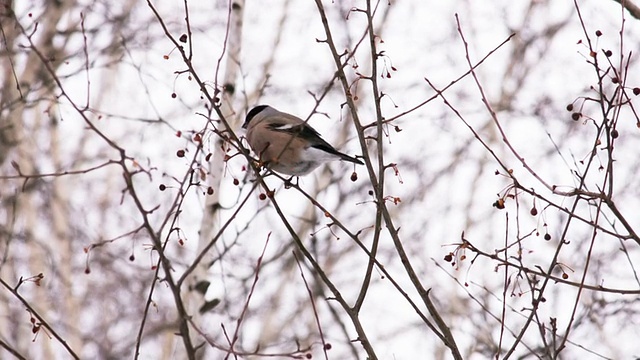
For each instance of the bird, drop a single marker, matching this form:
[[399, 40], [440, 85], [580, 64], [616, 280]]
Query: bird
[[286, 143]]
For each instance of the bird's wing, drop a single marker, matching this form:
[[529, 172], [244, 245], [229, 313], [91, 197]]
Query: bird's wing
[[300, 129], [292, 125]]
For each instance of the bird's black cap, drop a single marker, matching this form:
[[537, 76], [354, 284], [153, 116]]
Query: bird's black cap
[[255, 111]]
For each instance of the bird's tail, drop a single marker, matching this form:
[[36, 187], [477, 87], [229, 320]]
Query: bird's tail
[[348, 158]]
